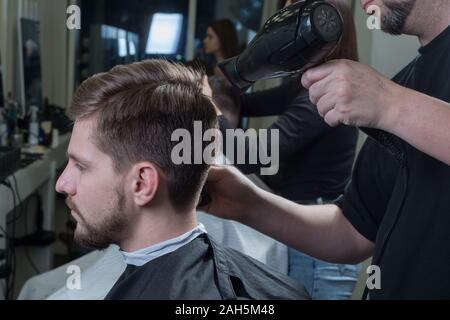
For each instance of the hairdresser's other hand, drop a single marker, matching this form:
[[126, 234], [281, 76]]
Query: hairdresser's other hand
[[350, 93], [233, 195]]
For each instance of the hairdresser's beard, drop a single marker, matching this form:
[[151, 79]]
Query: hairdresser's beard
[[109, 227], [397, 12]]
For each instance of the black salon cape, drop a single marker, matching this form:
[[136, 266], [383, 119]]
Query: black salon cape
[[204, 270]]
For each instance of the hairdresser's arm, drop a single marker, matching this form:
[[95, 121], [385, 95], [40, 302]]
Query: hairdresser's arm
[[320, 231], [423, 122], [354, 94]]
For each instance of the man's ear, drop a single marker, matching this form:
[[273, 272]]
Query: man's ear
[[145, 183]]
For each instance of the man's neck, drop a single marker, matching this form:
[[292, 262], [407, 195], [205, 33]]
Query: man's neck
[[158, 226]]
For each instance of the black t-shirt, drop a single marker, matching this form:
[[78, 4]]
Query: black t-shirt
[[403, 204]]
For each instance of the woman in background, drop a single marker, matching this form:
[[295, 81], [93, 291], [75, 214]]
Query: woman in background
[[221, 42]]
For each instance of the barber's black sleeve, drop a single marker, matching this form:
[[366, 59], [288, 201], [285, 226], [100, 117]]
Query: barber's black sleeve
[[299, 126], [367, 196]]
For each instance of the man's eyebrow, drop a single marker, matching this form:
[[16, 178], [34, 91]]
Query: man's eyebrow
[[76, 158]]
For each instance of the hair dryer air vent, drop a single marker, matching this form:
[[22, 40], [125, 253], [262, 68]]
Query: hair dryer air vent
[[327, 21]]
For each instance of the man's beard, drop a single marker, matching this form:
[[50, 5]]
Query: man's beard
[[394, 19], [104, 233]]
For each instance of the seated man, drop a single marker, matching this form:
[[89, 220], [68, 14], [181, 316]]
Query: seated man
[[123, 188]]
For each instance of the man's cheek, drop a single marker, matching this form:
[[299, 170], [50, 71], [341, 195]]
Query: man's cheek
[[96, 187]]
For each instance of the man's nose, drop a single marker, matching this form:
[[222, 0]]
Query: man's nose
[[65, 183]]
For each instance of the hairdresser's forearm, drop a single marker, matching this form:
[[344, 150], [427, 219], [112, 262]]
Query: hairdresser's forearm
[[320, 231], [423, 122]]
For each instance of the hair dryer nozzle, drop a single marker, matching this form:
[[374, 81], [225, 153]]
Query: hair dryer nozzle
[[230, 70]]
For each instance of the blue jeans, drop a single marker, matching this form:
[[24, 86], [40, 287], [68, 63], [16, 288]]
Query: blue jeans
[[322, 280]]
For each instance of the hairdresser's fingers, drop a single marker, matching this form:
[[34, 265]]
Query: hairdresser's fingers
[[326, 104], [318, 73], [321, 88], [333, 118]]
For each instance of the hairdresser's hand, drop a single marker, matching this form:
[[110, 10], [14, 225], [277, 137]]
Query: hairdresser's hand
[[233, 196], [350, 93]]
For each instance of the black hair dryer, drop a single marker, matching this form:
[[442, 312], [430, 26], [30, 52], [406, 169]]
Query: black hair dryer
[[293, 40], [296, 38]]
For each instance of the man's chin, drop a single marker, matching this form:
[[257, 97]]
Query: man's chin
[[87, 241]]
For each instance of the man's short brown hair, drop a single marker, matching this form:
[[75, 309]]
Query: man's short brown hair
[[137, 107]]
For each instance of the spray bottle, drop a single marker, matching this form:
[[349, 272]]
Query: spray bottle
[[3, 130], [33, 136]]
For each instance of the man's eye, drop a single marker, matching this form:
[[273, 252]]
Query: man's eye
[[79, 167]]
